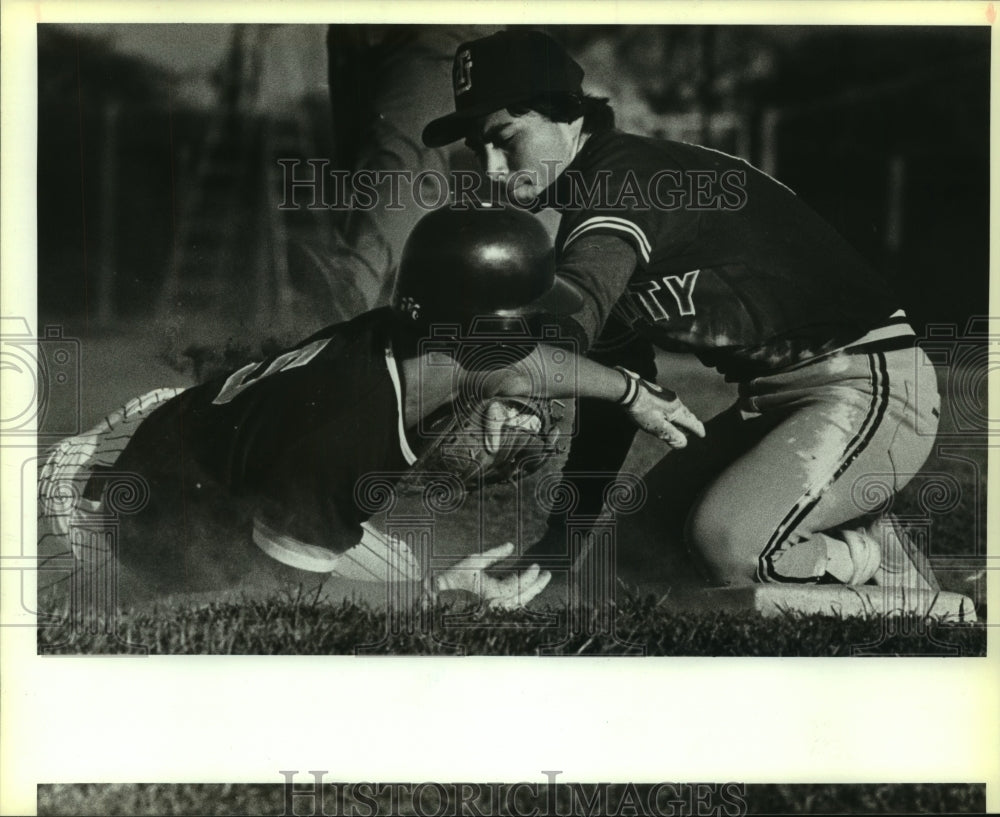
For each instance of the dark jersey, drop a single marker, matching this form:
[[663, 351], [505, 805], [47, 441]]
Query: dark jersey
[[730, 264], [292, 436]]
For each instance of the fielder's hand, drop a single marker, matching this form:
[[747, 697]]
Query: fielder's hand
[[508, 593], [659, 411]]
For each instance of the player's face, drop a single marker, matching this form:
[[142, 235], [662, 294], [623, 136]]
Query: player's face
[[525, 153]]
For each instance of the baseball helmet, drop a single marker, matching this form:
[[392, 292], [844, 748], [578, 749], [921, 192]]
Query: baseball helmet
[[494, 263]]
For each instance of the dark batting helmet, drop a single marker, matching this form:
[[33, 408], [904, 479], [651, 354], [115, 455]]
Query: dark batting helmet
[[494, 263]]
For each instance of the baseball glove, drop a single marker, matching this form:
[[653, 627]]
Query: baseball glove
[[497, 440]]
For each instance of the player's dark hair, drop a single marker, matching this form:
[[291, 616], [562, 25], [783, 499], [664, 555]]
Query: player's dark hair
[[597, 114]]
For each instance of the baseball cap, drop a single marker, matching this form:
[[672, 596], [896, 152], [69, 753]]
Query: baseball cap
[[500, 70]]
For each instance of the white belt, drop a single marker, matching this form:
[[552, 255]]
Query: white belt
[[876, 335]]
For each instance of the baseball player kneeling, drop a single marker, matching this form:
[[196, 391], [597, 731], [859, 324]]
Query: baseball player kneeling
[[683, 248], [255, 479]]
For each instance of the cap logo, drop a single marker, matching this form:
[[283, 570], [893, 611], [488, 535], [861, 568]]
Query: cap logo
[[462, 72]]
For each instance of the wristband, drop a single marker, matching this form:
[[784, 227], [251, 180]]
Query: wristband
[[632, 387]]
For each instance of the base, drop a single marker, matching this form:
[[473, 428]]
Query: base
[[774, 600]]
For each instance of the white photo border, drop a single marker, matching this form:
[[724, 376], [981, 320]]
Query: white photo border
[[242, 719]]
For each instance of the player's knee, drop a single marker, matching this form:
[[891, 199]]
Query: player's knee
[[721, 546]]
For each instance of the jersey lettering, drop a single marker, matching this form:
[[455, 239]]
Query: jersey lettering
[[681, 287], [625, 310], [243, 378], [651, 303], [683, 290]]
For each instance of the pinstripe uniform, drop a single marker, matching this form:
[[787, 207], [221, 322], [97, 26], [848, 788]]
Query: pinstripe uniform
[[731, 266], [269, 456]]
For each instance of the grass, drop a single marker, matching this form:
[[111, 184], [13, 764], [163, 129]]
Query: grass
[[269, 799], [947, 499], [641, 625]]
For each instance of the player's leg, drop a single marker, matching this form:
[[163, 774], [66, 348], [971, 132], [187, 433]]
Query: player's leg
[[250, 575], [72, 519], [778, 513], [68, 467], [195, 541], [901, 561], [651, 545]]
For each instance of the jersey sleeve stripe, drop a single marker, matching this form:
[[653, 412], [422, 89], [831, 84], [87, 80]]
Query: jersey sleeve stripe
[[611, 223]]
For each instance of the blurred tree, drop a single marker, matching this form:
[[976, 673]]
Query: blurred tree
[[84, 66], [82, 83], [82, 80], [885, 131]]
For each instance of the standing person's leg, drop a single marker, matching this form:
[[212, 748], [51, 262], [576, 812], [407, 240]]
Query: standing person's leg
[[602, 439], [780, 511], [386, 83]]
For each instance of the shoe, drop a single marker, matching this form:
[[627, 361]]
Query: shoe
[[866, 554], [903, 563]]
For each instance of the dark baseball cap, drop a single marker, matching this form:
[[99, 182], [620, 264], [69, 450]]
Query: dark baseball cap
[[500, 70]]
